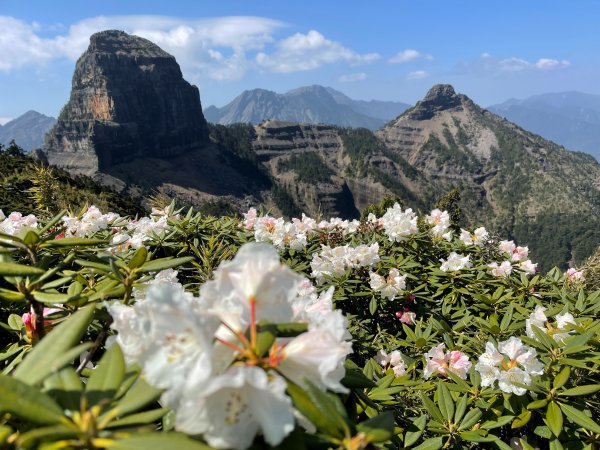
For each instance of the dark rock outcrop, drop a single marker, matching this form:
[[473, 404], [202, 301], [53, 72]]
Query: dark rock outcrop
[[439, 98], [128, 100]]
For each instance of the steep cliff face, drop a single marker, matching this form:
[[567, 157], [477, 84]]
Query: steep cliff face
[[308, 161], [128, 100]]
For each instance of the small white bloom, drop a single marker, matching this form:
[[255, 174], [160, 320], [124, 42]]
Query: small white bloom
[[502, 270], [455, 262]]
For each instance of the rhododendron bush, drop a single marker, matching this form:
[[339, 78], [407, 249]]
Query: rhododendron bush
[[185, 331]]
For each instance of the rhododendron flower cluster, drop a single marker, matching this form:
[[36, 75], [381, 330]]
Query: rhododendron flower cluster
[[555, 330], [393, 360], [388, 286], [439, 360], [440, 221], [455, 262], [516, 253], [333, 262], [15, 222], [479, 237], [136, 232], [512, 362], [503, 269], [91, 222], [574, 275], [215, 379], [398, 224]]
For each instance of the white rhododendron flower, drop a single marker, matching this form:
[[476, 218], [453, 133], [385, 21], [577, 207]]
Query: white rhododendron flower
[[511, 362], [555, 330], [15, 222], [90, 222], [501, 270], [455, 262], [440, 221], [515, 253], [528, 267], [214, 376], [388, 286], [438, 360], [249, 219], [398, 224], [574, 275], [231, 408], [393, 360], [479, 237], [333, 262]]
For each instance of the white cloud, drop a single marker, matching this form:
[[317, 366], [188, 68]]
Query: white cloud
[[352, 77], [417, 75], [4, 120], [208, 48], [310, 51], [549, 64], [513, 64], [408, 55]]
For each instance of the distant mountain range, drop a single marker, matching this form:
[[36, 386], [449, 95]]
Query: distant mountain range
[[571, 119], [309, 104], [27, 130]]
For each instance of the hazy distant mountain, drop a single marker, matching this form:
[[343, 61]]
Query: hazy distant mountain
[[571, 119], [309, 104], [27, 130]]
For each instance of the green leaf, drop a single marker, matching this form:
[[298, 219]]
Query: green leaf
[[139, 419], [18, 270], [140, 395], [431, 444], [445, 401], [522, 419], [476, 436], [5, 432], [138, 258], [50, 354], [415, 430], [554, 418], [432, 408], [355, 379], [73, 242], [28, 403], [54, 297], [292, 329], [373, 305], [316, 407], [379, 428], [461, 407], [56, 432], [580, 390], [537, 404], [66, 387], [562, 377], [164, 263], [158, 441], [580, 418], [471, 418], [107, 377]]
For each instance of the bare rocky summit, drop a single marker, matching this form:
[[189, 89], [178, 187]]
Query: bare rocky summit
[[128, 100]]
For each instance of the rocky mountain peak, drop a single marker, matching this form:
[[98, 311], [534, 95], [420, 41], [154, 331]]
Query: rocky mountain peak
[[119, 42], [440, 97], [128, 100]]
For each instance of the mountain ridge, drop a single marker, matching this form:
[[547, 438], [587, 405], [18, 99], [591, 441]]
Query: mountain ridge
[[306, 104]]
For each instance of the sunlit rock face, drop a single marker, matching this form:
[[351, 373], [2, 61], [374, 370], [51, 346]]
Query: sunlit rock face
[[128, 100]]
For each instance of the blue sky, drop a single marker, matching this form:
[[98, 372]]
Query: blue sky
[[378, 49]]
